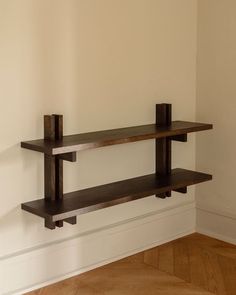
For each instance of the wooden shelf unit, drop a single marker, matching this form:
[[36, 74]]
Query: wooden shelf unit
[[57, 207]]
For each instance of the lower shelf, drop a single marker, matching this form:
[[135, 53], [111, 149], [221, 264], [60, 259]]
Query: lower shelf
[[107, 195]]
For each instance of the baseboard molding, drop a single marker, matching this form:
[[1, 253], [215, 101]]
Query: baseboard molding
[[216, 224], [38, 267]]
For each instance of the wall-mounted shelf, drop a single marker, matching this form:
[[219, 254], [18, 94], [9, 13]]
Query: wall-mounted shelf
[[78, 142], [108, 195], [57, 207]]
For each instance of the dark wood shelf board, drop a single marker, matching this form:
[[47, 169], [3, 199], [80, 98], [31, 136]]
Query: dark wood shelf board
[[103, 196], [83, 141]]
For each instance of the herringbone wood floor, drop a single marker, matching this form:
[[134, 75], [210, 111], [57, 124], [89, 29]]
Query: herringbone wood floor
[[193, 265]]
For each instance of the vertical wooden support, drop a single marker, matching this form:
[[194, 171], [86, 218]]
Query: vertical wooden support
[[53, 166], [59, 162], [163, 145]]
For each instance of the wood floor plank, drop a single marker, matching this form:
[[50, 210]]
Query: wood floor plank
[[197, 266], [228, 268], [202, 267], [151, 257], [143, 279], [181, 261], [193, 265], [213, 273], [166, 258]]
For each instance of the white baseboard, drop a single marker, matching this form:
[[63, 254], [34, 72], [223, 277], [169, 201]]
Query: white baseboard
[[216, 224], [38, 267]]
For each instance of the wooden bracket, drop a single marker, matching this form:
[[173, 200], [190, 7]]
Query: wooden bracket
[[182, 190], [71, 220], [181, 138], [49, 224], [70, 157], [53, 166]]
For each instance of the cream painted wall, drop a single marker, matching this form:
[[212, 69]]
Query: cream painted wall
[[102, 64], [216, 103]]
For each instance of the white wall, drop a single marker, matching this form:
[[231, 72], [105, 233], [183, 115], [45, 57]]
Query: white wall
[[102, 64], [216, 103]]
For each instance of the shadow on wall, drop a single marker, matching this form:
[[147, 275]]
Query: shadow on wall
[[15, 163]]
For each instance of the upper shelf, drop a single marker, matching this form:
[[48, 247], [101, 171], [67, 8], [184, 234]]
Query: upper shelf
[[83, 141]]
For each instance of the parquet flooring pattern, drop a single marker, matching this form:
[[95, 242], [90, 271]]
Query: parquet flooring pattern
[[193, 265]]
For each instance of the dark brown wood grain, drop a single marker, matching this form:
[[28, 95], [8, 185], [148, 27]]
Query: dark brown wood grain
[[103, 196], [163, 145], [78, 142], [53, 166]]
